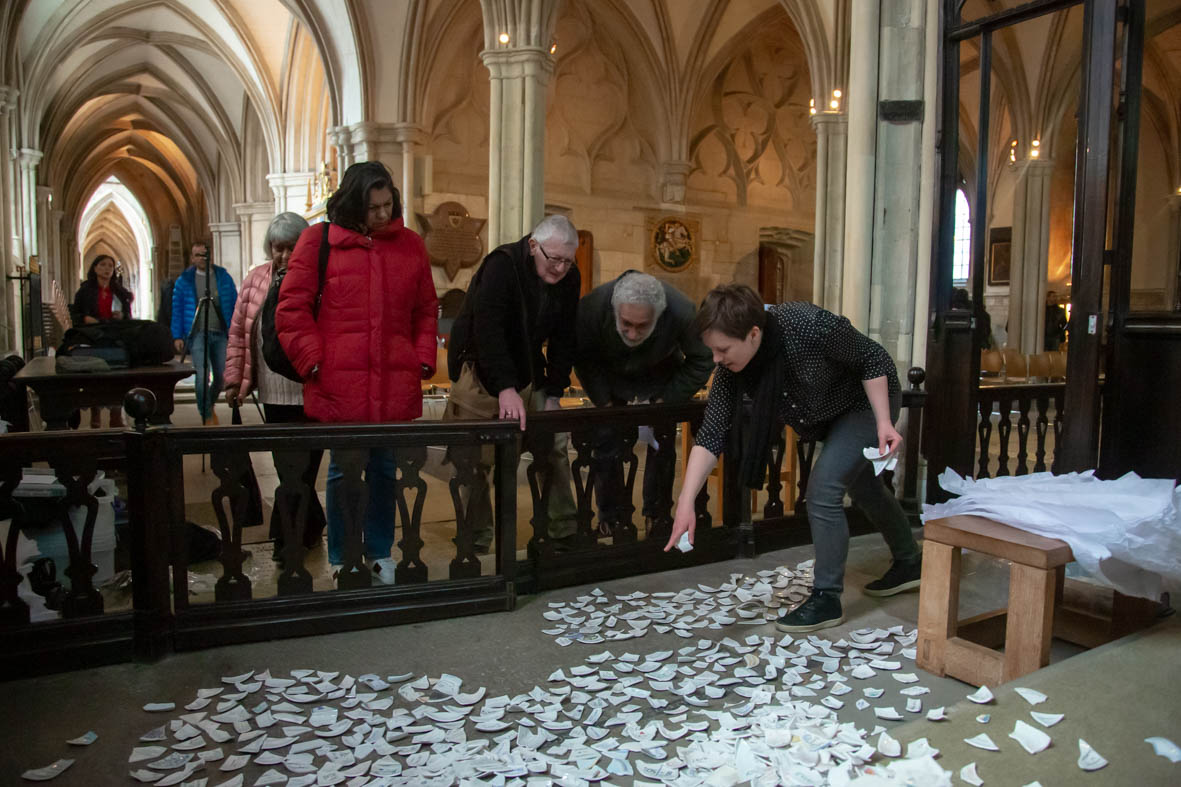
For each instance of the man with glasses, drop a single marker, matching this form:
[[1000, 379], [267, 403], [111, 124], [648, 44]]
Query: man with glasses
[[512, 348]]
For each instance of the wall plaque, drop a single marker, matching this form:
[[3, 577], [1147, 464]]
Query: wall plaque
[[452, 237], [673, 242]]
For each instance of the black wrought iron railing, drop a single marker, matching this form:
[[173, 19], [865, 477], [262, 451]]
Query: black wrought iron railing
[[444, 472]]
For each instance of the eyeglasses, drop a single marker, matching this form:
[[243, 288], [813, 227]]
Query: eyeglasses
[[561, 262]]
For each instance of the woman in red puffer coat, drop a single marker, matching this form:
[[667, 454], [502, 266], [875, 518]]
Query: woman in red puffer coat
[[363, 358]]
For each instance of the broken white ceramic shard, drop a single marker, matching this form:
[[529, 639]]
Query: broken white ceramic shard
[[984, 718], [887, 713], [936, 714], [1047, 719], [84, 740], [159, 707], [861, 704], [1088, 758], [905, 677], [914, 705], [920, 748], [1031, 696], [48, 772], [982, 696], [146, 753], [1165, 748], [873, 693], [1031, 739], [888, 745], [683, 543], [968, 775], [982, 741]]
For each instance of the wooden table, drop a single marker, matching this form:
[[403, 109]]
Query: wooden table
[[61, 393]]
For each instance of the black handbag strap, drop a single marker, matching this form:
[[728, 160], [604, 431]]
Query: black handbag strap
[[325, 249]]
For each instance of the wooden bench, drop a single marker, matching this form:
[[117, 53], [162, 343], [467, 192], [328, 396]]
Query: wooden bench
[[965, 649]]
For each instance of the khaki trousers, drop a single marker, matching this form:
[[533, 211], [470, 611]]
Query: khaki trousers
[[468, 400]]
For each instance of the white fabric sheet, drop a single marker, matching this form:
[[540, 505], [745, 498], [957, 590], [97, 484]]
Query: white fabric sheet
[[1125, 533]]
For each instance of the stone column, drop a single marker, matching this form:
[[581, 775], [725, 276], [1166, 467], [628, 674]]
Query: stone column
[[516, 165], [1030, 255], [227, 248], [28, 159], [253, 220], [861, 101], [673, 181], [1173, 265], [8, 330], [884, 180], [409, 137], [828, 257], [292, 190]]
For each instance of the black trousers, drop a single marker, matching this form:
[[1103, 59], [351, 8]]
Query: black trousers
[[313, 527]]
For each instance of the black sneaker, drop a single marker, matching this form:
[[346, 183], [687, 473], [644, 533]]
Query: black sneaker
[[902, 576], [822, 610]]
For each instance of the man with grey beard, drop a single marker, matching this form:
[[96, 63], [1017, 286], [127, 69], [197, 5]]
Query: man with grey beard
[[636, 345]]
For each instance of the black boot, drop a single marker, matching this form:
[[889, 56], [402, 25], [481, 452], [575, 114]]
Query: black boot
[[902, 576], [822, 610]]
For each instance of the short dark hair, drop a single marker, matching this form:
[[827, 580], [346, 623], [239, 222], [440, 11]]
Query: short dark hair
[[731, 309], [348, 206]]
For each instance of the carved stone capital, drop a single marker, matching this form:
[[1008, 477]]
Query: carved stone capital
[[519, 63], [830, 123], [673, 180]]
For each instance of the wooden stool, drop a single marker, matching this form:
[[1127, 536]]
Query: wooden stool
[[945, 644], [964, 649]]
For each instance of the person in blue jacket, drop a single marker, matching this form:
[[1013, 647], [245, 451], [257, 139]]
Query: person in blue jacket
[[189, 324]]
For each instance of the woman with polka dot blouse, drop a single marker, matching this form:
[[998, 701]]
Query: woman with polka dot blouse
[[812, 370]]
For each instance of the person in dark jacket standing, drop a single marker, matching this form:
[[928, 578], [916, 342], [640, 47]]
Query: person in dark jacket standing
[[636, 343], [524, 296], [810, 369], [101, 298]]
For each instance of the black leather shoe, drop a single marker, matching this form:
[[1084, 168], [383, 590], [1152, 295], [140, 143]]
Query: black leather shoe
[[901, 577], [822, 610]]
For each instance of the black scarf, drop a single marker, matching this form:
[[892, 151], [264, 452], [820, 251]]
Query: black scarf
[[761, 379]]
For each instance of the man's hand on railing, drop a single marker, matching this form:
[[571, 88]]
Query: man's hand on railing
[[512, 407]]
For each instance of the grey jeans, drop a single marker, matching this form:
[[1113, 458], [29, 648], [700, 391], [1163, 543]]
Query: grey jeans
[[841, 467]]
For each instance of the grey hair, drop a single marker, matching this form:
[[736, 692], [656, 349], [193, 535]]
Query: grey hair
[[556, 226], [642, 289], [284, 228]]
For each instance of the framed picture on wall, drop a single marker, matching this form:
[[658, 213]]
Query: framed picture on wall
[[672, 242], [1000, 248]]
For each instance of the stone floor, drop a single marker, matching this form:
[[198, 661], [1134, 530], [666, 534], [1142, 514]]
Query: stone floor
[[507, 653]]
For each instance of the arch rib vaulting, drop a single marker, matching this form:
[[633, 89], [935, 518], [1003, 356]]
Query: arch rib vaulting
[[135, 127]]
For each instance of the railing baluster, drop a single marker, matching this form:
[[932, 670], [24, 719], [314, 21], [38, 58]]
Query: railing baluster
[[82, 598], [584, 473], [293, 502], [984, 428], [232, 468], [660, 467], [1059, 401], [1023, 405], [13, 609], [469, 495], [1003, 428], [1041, 427], [774, 505], [540, 475], [411, 568]]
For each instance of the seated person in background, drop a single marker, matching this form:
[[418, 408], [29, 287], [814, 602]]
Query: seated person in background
[[101, 298], [523, 297], [812, 370], [636, 343]]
